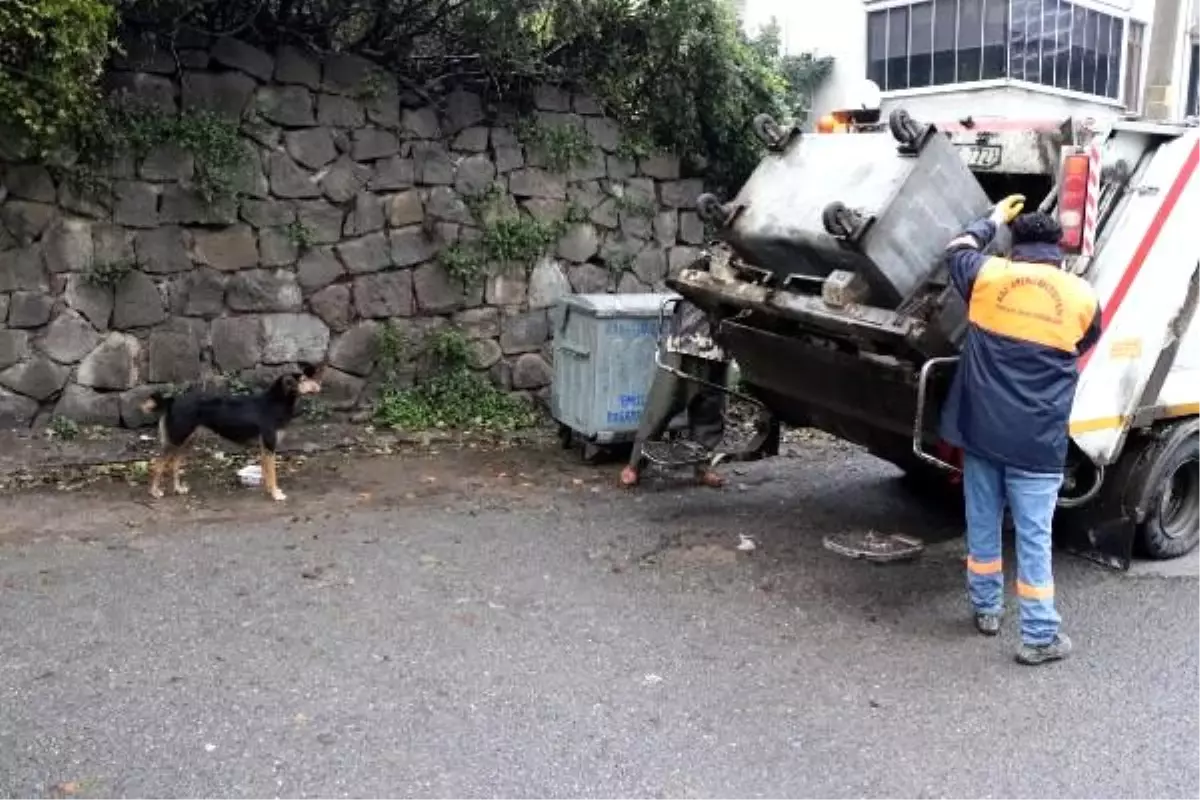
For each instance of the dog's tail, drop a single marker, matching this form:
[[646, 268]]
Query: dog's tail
[[157, 403]]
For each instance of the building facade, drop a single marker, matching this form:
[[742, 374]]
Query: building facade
[[1017, 59]]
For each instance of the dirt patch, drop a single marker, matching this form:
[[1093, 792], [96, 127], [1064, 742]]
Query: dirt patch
[[81, 501]]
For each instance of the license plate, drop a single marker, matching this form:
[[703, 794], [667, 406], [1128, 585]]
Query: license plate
[[981, 156]]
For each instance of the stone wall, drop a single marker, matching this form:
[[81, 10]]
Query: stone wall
[[378, 181]]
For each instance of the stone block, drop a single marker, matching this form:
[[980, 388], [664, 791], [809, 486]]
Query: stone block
[[355, 350], [26, 220], [226, 94], [93, 301], [339, 111], [289, 106], [161, 251], [89, 407], [444, 205], [227, 249], [230, 52], [604, 133], [291, 338], [547, 284], [509, 159], [475, 175], [16, 411], [288, 180], [434, 165], [311, 147], [530, 371], [534, 182], [589, 278], [277, 247], [579, 243], [436, 292], [384, 294], [411, 245], [681, 194], [68, 246], [369, 253], [174, 357], [471, 140], [14, 346], [263, 290], [660, 166], [29, 309], [137, 303], [167, 162], [506, 288], [294, 66], [393, 173], [366, 215], [666, 227], [113, 364], [421, 123], [523, 331], [24, 270], [236, 343], [478, 323], [318, 268], [69, 338], [333, 305], [345, 73], [30, 182], [371, 144], [345, 179], [203, 293], [691, 228], [551, 98], [268, 213], [39, 378], [182, 205], [483, 353]]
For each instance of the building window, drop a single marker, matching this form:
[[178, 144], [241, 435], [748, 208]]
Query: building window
[[1052, 42], [1133, 66], [1193, 100]]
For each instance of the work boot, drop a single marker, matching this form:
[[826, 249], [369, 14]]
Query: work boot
[[987, 623], [1033, 654]]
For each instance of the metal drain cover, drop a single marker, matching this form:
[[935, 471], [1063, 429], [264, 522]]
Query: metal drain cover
[[872, 546]]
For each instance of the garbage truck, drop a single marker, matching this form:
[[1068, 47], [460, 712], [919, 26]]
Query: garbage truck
[[840, 314]]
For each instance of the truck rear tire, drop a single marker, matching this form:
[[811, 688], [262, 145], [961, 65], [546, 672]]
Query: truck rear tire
[[1172, 524]]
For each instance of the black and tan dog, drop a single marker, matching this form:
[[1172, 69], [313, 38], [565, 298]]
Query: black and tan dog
[[256, 419]]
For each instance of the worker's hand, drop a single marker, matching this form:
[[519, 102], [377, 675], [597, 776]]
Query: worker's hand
[[1008, 209]]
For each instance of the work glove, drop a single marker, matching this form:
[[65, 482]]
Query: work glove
[[1007, 209]]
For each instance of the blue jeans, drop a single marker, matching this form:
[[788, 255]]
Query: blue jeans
[[1031, 496]]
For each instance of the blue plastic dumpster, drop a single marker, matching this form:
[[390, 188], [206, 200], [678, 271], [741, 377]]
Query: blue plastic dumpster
[[603, 364]]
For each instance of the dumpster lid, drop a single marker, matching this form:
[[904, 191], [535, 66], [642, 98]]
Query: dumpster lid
[[645, 304]]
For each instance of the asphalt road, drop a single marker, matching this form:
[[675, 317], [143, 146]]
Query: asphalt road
[[543, 634]]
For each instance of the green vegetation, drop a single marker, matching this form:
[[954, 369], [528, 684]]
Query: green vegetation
[[507, 236], [450, 396], [63, 429], [678, 75], [562, 146], [108, 274], [300, 235], [51, 56]]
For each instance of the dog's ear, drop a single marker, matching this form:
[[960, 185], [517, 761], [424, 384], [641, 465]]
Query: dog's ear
[[289, 385]]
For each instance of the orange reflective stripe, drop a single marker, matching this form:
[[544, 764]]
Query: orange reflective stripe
[[1030, 592], [984, 567], [1034, 303]]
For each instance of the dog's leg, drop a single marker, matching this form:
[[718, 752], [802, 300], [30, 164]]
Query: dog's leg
[[270, 479], [156, 470], [176, 475]]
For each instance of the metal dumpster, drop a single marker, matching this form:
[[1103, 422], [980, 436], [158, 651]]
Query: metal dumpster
[[865, 203], [604, 348]]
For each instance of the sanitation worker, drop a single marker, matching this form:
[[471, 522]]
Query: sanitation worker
[[1008, 410]]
